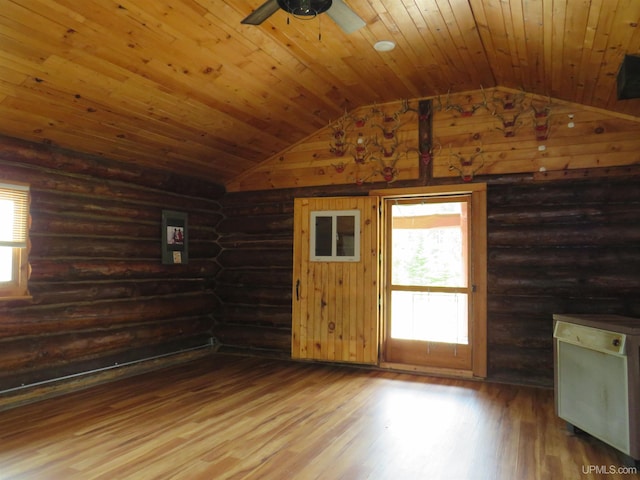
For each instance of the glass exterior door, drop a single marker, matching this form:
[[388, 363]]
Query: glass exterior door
[[428, 276]]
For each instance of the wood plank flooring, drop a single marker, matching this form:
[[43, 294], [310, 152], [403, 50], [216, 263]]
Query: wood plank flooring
[[232, 417]]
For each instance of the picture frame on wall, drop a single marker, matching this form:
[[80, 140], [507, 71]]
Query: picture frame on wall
[[175, 238]]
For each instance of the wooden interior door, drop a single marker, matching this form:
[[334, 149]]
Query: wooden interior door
[[335, 292]]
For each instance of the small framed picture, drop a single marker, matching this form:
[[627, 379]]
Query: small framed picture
[[175, 236]]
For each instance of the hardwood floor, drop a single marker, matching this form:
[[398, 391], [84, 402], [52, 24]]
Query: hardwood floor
[[231, 417]]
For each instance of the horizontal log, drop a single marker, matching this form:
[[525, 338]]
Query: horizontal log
[[255, 315], [535, 361], [268, 241], [52, 246], [551, 214], [563, 282], [202, 250], [62, 224], [26, 354], [54, 158], [47, 319], [44, 293], [104, 269], [257, 337], [256, 224], [47, 201], [53, 201], [60, 181], [524, 306], [521, 332], [563, 193], [256, 296], [580, 257], [251, 257], [559, 235], [48, 246], [256, 277]]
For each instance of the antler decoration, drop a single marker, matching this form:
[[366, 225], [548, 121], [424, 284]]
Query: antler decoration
[[339, 167], [406, 107], [383, 148], [541, 120], [466, 167], [338, 146], [389, 171], [509, 102], [469, 112], [509, 126], [359, 122], [389, 133], [508, 108]]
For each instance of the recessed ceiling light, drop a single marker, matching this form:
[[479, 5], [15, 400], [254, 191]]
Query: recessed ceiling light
[[384, 46]]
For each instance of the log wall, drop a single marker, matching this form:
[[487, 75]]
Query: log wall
[[100, 295], [557, 247], [570, 246]]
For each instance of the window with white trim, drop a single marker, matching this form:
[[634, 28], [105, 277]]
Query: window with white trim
[[335, 236], [14, 235]]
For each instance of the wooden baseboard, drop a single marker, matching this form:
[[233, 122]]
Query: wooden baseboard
[[30, 394]]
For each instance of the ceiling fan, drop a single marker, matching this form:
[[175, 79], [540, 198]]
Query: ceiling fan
[[339, 12]]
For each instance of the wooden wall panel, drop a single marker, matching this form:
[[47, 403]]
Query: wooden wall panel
[[100, 295], [500, 131]]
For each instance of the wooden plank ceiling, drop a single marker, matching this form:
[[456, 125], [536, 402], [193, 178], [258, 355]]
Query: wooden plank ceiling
[[183, 85]]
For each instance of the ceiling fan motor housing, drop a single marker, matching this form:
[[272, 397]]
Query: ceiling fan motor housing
[[305, 8]]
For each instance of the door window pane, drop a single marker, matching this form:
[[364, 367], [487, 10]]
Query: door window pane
[[429, 316], [429, 244], [323, 236]]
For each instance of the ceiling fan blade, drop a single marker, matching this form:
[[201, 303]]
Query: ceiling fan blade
[[346, 18], [261, 13]]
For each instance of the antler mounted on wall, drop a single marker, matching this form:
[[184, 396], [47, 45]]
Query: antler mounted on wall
[[338, 145], [507, 108], [509, 123], [466, 166], [387, 150], [509, 101], [388, 170], [376, 140], [541, 120], [468, 112]]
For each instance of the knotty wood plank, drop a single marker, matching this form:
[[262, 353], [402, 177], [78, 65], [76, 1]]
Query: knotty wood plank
[[232, 417]]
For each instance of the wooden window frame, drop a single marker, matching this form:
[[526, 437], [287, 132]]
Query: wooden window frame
[[17, 287]]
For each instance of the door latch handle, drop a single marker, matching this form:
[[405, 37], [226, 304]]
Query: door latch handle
[[298, 290]]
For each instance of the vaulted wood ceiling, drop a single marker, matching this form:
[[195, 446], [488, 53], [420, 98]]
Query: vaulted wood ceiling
[[183, 85]]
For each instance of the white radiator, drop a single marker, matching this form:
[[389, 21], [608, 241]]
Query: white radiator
[[597, 384]]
